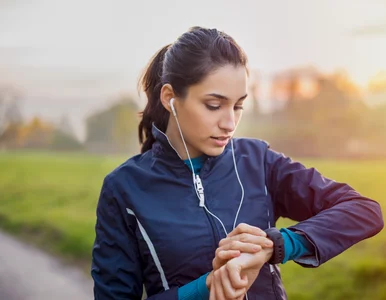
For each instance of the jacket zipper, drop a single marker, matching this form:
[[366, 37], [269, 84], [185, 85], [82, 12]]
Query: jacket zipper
[[273, 285], [215, 240], [215, 232]]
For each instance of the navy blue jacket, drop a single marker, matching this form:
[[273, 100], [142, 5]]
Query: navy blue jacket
[[151, 231]]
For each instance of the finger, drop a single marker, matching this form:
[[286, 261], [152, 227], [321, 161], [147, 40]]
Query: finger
[[219, 288], [241, 247], [228, 254], [234, 272], [212, 294], [223, 256], [230, 242], [229, 291], [244, 277], [245, 228], [245, 238]]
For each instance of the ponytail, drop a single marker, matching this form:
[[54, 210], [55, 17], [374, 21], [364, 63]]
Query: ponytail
[[151, 83]]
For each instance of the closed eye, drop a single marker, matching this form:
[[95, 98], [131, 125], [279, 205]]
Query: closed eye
[[212, 107]]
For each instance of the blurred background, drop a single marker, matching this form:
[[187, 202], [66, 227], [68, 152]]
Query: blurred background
[[69, 110]]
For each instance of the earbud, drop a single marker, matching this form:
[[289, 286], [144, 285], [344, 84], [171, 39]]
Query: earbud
[[172, 107]]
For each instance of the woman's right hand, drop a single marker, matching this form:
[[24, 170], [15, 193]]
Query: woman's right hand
[[243, 239]]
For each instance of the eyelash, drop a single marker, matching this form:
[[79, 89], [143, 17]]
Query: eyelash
[[213, 108], [210, 107]]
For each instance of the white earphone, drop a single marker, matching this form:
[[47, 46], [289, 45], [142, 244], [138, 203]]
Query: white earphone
[[172, 107]]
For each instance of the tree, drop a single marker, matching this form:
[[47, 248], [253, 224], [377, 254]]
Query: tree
[[64, 138], [113, 129], [377, 84], [64, 142], [10, 111], [325, 124], [37, 134], [65, 126]]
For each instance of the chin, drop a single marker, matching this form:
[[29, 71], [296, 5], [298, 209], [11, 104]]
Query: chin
[[214, 151]]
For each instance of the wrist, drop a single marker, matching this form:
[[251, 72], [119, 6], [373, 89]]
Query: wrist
[[209, 280], [268, 253]]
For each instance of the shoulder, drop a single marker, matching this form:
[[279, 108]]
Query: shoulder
[[129, 169], [261, 152], [251, 146]]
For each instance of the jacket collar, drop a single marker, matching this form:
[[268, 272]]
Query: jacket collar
[[162, 145], [162, 148]]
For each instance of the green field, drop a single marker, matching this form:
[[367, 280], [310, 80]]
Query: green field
[[50, 199]]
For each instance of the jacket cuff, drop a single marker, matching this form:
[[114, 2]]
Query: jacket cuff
[[194, 290]]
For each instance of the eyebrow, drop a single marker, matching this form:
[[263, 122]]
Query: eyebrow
[[222, 97]]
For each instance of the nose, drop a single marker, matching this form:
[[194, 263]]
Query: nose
[[228, 121]]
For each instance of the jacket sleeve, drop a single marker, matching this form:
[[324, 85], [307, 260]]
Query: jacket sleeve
[[332, 215], [116, 264]]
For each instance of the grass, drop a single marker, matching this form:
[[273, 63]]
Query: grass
[[50, 199]]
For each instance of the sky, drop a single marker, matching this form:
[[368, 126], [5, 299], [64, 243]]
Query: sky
[[74, 56]]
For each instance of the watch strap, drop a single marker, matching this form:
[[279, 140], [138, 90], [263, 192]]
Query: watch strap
[[278, 245]]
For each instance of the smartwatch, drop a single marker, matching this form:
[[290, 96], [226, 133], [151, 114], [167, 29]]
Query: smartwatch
[[278, 245]]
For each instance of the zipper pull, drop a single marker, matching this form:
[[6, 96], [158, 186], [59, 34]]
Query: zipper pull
[[200, 190], [272, 269]]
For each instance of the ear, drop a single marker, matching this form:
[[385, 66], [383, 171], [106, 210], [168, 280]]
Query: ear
[[165, 95]]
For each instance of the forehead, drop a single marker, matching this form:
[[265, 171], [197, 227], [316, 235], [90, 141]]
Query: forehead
[[229, 81]]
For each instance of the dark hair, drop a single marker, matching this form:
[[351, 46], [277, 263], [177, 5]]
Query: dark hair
[[186, 62]]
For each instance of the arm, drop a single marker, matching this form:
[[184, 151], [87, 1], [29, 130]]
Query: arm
[[332, 215], [295, 245], [116, 267]]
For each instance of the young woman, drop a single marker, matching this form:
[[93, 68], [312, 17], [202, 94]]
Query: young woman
[[193, 216]]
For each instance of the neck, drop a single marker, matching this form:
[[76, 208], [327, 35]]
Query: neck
[[175, 139]]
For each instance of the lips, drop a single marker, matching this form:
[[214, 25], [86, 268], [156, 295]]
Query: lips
[[220, 141], [221, 138]]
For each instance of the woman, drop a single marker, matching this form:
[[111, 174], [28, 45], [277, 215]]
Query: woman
[[193, 216]]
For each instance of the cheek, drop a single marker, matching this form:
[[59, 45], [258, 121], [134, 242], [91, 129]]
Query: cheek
[[203, 119], [208, 123], [197, 124], [238, 117]]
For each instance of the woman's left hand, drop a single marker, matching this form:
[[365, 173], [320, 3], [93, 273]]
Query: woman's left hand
[[222, 289]]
